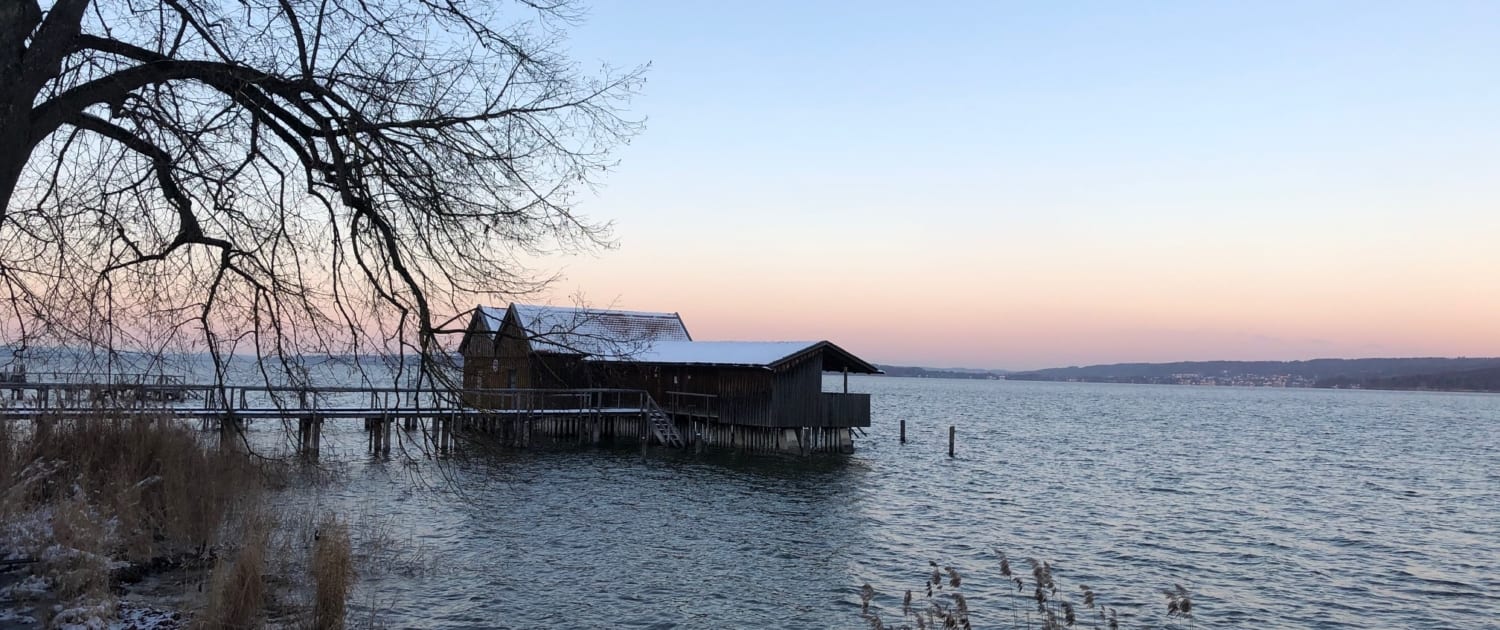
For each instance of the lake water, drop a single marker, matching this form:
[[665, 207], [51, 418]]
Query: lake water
[[1275, 508]]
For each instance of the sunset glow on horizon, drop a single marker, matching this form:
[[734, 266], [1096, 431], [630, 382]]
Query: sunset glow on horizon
[[1006, 187]]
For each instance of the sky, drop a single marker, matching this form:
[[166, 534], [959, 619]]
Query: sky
[[1027, 185]]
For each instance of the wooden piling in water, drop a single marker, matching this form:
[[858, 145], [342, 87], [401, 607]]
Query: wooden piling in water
[[304, 435], [230, 428], [903, 431], [951, 432], [317, 436]]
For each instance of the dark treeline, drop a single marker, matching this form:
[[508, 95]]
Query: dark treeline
[[1388, 373], [921, 372], [1480, 380]]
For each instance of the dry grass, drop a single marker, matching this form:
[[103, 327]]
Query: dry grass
[[237, 590], [332, 572], [166, 492], [91, 498]]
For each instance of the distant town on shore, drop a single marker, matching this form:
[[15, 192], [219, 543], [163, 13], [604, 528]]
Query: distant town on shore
[[1422, 373]]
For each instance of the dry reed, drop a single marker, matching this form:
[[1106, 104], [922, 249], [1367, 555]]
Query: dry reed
[[332, 572], [947, 606], [237, 590], [97, 501]]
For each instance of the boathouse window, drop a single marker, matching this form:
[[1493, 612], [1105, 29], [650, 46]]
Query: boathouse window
[[510, 378], [495, 365]]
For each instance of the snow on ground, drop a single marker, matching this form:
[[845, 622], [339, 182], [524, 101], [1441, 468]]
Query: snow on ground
[[19, 593], [31, 536], [17, 617], [134, 616], [24, 594]]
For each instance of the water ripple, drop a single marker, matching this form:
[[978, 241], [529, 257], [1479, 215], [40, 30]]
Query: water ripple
[[1278, 508]]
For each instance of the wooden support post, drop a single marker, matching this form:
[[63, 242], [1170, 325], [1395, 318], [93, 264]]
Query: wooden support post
[[951, 432], [317, 436], [304, 435], [903, 431], [229, 430], [385, 440], [846, 380]]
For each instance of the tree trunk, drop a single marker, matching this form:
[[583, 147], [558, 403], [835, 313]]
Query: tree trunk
[[18, 18]]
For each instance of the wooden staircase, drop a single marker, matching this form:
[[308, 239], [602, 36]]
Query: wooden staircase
[[662, 425]]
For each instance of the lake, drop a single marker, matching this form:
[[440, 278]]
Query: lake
[[1289, 508]]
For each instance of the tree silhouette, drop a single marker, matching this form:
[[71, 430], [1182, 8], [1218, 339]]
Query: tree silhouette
[[277, 177]]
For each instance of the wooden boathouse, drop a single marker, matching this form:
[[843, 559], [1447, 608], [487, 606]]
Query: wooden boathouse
[[747, 395]]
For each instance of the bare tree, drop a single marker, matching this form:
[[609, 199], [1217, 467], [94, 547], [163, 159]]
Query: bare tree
[[281, 177]]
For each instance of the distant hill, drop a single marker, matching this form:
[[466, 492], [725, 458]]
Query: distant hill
[[1391, 373], [1480, 380], [922, 372]]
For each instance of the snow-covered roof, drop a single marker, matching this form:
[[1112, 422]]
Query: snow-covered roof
[[650, 338], [491, 317], [760, 354], [597, 332], [746, 353]]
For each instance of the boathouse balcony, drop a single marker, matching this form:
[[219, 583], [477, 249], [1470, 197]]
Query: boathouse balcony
[[845, 410]]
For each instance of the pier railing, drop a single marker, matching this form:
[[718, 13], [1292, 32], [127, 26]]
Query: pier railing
[[691, 404], [93, 378], [200, 399]]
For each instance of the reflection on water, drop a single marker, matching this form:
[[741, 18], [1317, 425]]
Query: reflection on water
[[1279, 508]]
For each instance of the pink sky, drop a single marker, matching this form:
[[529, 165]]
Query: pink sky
[[1057, 297]]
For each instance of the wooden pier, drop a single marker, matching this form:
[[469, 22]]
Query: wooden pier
[[513, 417]]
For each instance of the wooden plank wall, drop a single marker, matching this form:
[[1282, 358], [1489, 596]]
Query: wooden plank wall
[[796, 400], [744, 394]]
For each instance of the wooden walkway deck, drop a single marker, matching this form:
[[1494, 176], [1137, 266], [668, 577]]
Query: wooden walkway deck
[[513, 414]]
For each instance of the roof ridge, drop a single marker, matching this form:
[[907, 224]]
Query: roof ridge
[[596, 310]]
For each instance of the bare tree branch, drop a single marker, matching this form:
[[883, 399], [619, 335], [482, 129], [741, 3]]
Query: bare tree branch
[[288, 177]]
